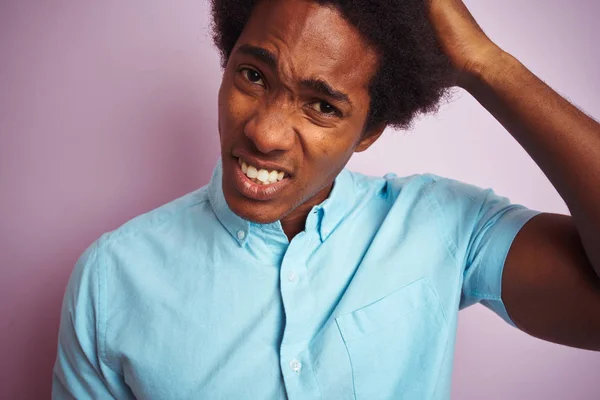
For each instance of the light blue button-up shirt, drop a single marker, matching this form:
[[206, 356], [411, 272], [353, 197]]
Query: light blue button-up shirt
[[190, 301]]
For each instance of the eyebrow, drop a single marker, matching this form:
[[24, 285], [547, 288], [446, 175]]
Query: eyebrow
[[320, 86], [263, 55], [317, 85]]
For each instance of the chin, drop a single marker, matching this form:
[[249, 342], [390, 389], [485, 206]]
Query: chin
[[257, 218], [250, 211]]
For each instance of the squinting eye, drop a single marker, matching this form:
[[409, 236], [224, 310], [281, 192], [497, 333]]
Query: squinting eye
[[253, 76], [324, 108]]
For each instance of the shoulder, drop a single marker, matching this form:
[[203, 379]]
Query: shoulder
[[157, 220], [147, 240], [446, 195], [389, 183], [418, 187], [147, 244], [429, 199]]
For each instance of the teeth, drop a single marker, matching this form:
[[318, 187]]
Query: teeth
[[251, 172], [272, 177], [261, 176]]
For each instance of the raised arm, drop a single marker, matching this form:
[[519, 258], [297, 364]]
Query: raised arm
[[551, 284]]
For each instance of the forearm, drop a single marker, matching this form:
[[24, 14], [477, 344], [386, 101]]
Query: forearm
[[561, 139]]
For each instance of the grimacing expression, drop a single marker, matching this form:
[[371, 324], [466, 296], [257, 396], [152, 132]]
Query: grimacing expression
[[292, 106]]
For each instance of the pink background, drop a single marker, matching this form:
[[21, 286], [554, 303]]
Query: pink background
[[108, 109]]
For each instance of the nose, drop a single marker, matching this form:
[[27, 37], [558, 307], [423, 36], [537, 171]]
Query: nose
[[271, 128]]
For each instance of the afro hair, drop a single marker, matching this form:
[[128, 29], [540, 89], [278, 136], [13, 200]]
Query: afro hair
[[413, 70]]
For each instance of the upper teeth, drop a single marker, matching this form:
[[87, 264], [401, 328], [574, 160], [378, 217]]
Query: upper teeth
[[261, 175]]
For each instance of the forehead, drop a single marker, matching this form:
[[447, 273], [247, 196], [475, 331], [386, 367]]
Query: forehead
[[311, 40]]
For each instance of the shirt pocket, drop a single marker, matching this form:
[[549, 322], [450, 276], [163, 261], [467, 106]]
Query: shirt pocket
[[395, 344]]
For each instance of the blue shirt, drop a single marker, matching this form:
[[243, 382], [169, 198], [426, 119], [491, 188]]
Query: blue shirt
[[190, 301]]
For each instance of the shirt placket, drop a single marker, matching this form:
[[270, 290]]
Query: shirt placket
[[299, 305]]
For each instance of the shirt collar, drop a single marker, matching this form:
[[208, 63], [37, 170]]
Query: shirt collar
[[337, 206], [324, 217]]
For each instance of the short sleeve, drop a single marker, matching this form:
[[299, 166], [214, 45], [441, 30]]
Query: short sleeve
[[79, 371], [482, 226]]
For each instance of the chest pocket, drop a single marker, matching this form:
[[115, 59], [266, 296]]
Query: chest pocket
[[396, 344]]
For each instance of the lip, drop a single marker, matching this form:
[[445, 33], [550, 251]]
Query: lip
[[253, 190], [259, 164]]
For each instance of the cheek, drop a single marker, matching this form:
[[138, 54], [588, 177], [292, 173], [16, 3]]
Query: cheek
[[331, 147], [325, 158], [238, 108], [235, 107]]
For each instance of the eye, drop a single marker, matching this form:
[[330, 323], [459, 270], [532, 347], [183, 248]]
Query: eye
[[325, 108], [253, 76]]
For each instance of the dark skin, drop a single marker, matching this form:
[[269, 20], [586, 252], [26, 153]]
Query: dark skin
[[551, 284], [269, 111]]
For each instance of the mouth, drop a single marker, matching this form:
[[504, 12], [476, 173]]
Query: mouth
[[258, 183]]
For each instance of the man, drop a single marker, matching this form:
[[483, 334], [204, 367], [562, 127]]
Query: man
[[288, 276]]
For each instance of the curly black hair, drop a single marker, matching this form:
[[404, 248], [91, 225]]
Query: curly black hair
[[413, 70]]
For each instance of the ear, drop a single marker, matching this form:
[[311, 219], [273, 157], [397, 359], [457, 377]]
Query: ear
[[370, 137]]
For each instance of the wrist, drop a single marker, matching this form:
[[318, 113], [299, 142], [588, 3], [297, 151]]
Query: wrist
[[485, 67]]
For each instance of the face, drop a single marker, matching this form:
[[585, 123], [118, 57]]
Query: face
[[292, 108]]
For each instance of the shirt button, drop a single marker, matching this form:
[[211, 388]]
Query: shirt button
[[241, 235], [292, 277], [295, 365]]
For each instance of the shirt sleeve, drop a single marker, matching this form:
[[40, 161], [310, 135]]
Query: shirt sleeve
[[79, 372], [482, 226]]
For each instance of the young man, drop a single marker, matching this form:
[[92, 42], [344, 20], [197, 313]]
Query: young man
[[288, 276]]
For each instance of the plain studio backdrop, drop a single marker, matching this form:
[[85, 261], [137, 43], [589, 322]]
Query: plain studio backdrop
[[109, 109]]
